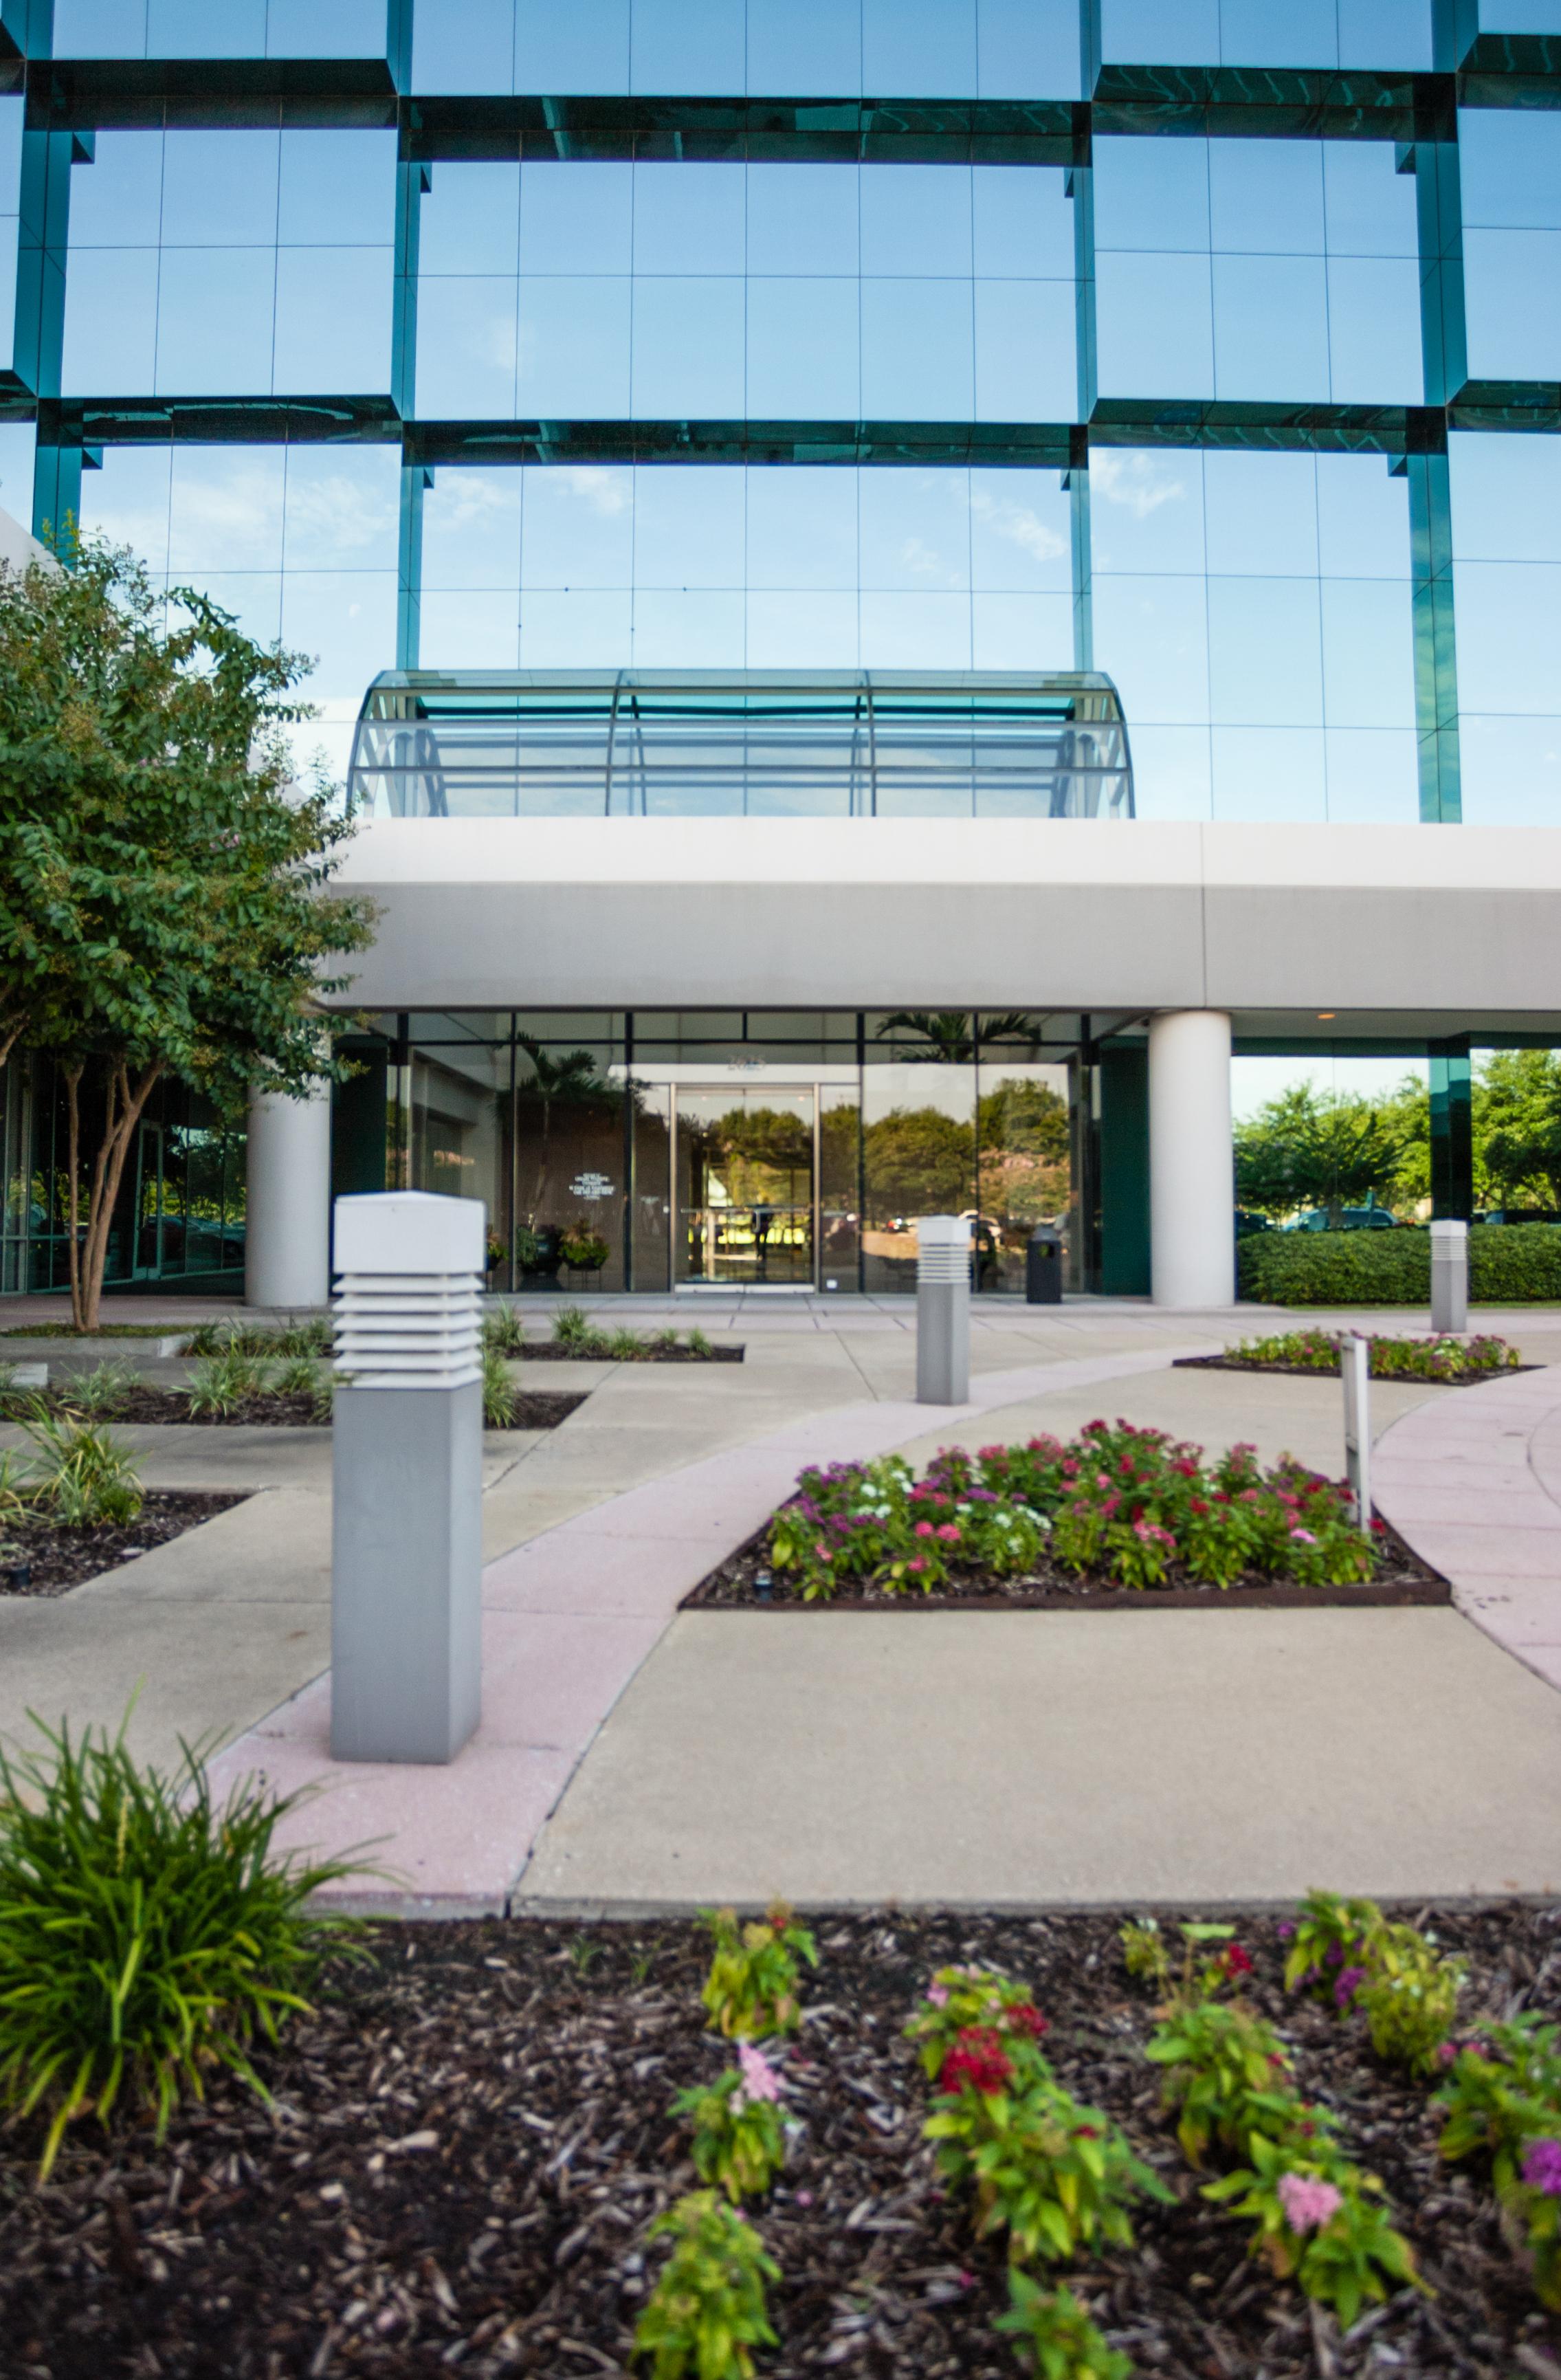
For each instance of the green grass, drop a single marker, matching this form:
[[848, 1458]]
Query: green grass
[[148, 1935]]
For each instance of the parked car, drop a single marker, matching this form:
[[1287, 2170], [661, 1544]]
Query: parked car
[[1352, 1218]]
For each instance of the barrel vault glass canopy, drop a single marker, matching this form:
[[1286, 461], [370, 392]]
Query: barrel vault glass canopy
[[740, 743]]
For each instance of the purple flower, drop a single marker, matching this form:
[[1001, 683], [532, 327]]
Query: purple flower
[[1308, 2204], [1285, 1930], [1541, 2167], [1348, 1984]]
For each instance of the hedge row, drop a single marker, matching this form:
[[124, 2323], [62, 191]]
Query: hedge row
[[1508, 1265]]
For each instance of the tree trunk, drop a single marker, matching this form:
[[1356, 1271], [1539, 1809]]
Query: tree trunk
[[10, 1034], [73, 1147], [124, 1106]]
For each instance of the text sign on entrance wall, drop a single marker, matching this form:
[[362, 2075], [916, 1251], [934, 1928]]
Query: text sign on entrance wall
[[591, 1188]]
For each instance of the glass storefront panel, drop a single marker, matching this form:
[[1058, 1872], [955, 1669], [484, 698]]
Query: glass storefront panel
[[746, 1176], [570, 1190], [1022, 1153]]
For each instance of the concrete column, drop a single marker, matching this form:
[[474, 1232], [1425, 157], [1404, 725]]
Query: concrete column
[[287, 1237], [1191, 1196]]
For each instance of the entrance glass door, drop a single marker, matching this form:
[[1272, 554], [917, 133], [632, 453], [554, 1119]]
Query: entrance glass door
[[746, 1173], [150, 1204]]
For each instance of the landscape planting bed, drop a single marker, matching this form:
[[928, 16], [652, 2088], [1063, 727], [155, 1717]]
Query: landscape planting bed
[[272, 1409], [470, 2140], [548, 1351], [37, 1558]]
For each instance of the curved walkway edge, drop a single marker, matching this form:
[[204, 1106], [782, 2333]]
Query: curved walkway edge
[[568, 1618], [1472, 1479]]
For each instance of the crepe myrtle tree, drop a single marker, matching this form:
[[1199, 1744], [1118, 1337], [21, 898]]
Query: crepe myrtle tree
[[163, 910], [1310, 1148]]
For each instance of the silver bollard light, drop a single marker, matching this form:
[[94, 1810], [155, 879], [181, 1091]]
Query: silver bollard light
[[406, 1460], [1449, 1277], [942, 1310], [1355, 1367]]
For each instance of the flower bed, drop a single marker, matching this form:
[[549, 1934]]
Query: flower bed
[[40, 1557], [472, 2141], [1455, 1363], [1120, 1514]]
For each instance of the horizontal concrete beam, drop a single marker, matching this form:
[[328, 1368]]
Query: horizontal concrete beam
[[1032, 913]]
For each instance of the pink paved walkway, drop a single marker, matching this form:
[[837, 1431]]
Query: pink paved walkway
[[567, 1620], [1472, 1479]]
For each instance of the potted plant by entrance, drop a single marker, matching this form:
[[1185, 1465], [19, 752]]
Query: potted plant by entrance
[[583, 1251], [539, 1251], [496, 1252]]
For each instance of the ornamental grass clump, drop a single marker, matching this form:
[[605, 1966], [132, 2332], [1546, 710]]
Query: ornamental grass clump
[[751, 1988], [80, 1475], [148, 1935], [709, 2308]]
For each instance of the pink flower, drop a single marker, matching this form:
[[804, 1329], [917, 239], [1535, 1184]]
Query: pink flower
[[949, 1534], [938, 1994], [925, 1529], [759, 2079], [801, 2197], [1308, 2204], [1303, 1536]]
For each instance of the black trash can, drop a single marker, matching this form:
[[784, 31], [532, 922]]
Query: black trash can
[[1042, 1267]]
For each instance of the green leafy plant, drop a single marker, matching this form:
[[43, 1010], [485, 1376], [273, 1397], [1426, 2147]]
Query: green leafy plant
[[1502, 2100], [1321, 2221], [1506, 1267], [1056, 2176], [699, 1345], [1053, 2336], [1145, 1954], [574, 1329], [504, 1331], [100, 1393], [499, 1391], [751, 1989], [1227, 2078], [1409, 1998], [739, 2138], [709, 2308], [219, 1384], [148, 1935], [80, 1476], [583, 1251], [1391, 1359], [965, 2001], [1329, 1933]]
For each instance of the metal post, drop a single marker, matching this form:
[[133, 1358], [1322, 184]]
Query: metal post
[[1355, 1367], [407, 1457], [942, 1310], [1449, 1277]]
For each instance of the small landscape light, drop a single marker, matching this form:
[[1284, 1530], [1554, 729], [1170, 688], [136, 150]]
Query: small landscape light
[[763, 1586], [1326, 1015]]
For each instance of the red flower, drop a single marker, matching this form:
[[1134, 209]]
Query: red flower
[[1026, 2018], [1235, 1961], [978, 2057]]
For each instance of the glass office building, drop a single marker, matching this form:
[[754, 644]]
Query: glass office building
[[788, 408]]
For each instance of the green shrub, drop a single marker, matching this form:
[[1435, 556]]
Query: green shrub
[[739, 2138], [102, 1390], [707, 2308], [752, 1986], [1508, 1264], [1145, 1954], [1054, 2337], [499, 1391], [1391, 1358], [1342, 2249], [1227, 2078], [1056, 2176], [219, 1384], [574, 1329], [146, 1935], [504, 1331], [310, 1338], [80, 1476]]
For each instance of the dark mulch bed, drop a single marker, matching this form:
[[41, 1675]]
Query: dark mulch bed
[[1401, 1578], [534, 1409], [465, 2148], [55, 1560], [547, 1350], [1464, 1379]]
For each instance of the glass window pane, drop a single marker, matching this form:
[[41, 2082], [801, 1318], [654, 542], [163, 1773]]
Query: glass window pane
[[1022, 632], [469, 631], [1161, 32], [1368, 653], [574, 348], [805, 49], [1510, 771], [915, 219], [577, 630], [110, 323], [1024, 351], [688, 349], [214, 315], [1509, 165], [343, 508], [1385, 33], [1373, 776], [126, 500], [254, 598], [688, 218], [811, 631], [1369, 206], [1172, 771], [225, 509], [803, 341], [1512, 304], [1152, 193], [1265, 656], [337, 188], [469, 219], [461, 45], [116, 201], [577, 526], [1146, 509], [678, 629], [688, 46], [915, 632], [1374, 354], [1152, 635], [333, 311], [803, 218], [582, 48], [471, 531], [193, 29], [1268, 772], [1256, 33], [347, 619], [1155, 324], [1270, 327], [220, 188], [918, 360], [99, 29], [1262, 514], [466, 349], [1507, 498], [689, 527], [576, 218], [1020, 536], [1266, 197], [1362, 517], [921, 48], [915, 528], [1507, 614], [801, 527], [1023, 224], [1027, 49], [325, 29]]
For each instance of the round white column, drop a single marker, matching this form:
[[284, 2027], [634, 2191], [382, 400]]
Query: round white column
[[1192, 1185], [287, 1237]]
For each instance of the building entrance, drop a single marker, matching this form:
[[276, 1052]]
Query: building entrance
[[746, 1162]]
